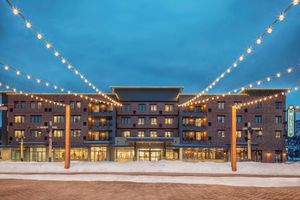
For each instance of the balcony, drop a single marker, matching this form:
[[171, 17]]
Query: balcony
[[98, 126], [98, 138], [193, 127]]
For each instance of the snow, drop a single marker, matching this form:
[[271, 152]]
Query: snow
[[157, 166], [93, 170]]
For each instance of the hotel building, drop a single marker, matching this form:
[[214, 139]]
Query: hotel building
[[149, 126]]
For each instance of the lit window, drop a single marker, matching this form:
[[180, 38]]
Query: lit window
[[238, 134], [153, 134], [277, 134], [153, 107], [19, 119], [221, 105], [75, 118], [72, 104], [126, 133], [19, 133], [221, 133], [78, 104], [221, 119], [169, 107], [168, 133], [58, 133], [141, 120], [141, 133], [198, 122], [58, 119], [75, 133], [169, 120], [153, 120], [39, 104]]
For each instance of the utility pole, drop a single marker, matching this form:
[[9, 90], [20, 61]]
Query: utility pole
[[233, 139], [67, 137], [50, 145], [250, 131]]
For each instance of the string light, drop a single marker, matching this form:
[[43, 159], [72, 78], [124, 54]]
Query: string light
[[56, 53], [249, 50], [32, 96], [47, 84], [28, 24], [295, 2], [63, 60], [258, 41]]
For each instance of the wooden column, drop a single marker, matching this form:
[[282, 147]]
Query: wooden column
[[233, 139], [67, 137]]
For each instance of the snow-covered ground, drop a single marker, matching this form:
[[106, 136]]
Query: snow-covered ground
[[158, 166], [12, 170]]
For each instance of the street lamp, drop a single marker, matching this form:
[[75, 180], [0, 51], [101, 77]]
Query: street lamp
[[21, 147]]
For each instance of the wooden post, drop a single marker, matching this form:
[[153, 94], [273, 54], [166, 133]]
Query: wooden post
[[233, 139], [67, 138], [22, 149], [249, 145]]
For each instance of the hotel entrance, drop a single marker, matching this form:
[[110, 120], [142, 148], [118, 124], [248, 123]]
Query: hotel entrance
[[150, 154]]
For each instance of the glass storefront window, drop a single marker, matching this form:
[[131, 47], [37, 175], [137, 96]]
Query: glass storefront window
[[172, 154], [124, 154], [201, 154], [59, 154], [79, 154], [38, 154], [98, 153]]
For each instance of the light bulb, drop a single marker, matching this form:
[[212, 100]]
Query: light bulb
[[56, 53], [241, 58], [228, 70], [249, 50], [295, 2], [270, 30], [63, 60], [28, 24], [281, 17], [69, 66], [6, 67], [258, 41], [15, 11], [28, 77], [278, 75], [235, 64], [38, 80], [289, 70], [269, 79], [18, 72], [48, 45], [39, 36]]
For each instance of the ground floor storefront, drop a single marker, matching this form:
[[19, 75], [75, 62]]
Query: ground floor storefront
[[139, 152]]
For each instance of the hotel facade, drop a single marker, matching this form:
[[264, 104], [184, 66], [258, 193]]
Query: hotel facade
[[149, 126]]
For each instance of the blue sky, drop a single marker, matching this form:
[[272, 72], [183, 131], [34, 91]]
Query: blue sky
[[142, 42]]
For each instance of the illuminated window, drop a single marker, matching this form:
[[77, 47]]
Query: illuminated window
[[153, 107], [277, 134], [221, 133], [58, 133], [39, 104], [198, 122], [75, 133], [78, 104], [168, 133], [221, 105], [169, 120], [19, 119], [153, 120], [75, 118], [126, 133], [19, 133], [141, 121], [141, 133], [58, 119], [169, 107], [153, 134], [238, 134]]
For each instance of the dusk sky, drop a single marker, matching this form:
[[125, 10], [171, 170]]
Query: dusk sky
[[150, 43]]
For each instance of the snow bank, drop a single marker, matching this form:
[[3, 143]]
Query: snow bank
[[158, 166]]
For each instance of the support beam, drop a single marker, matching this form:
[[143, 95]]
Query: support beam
[[67, 137], [233, 139]]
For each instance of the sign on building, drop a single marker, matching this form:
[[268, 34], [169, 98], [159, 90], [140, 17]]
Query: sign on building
[[291, 121]]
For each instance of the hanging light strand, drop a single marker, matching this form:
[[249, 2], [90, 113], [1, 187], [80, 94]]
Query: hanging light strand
[[51, 85], [247, 51], [259, 82], [57, 54], [32, 96]]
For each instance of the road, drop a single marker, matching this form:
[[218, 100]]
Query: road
[[43, 190]]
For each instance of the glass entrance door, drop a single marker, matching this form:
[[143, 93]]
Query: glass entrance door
[[150, 154]]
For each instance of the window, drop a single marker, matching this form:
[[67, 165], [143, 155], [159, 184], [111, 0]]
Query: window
[[126, 107], [141, 133], [168, 133], [169, 107], [278, 119], [142, 107], [35, 133], [153, 121], [39, 104], [221, 105], [153, 134], [58, 119], [239, 119], [75, 133], [125, 120], [32, 104], [19, 119], [72, 104], [23, 105], [16, 104], [141, 121], [75, 118], [221, 119], [153, 107], [36, 118], [198, 122], [258, 119], [169, 120], [278, 105], [19, 133], [58, 133], [258, 105], [221, 133], [238, 134], [78, 104], [277, 134], [126, 133]]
